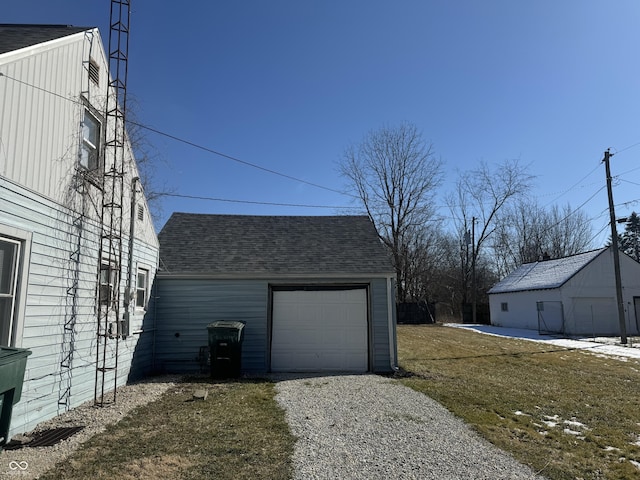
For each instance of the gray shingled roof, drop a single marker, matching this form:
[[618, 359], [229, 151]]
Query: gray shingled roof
[[546, 274], [245, 245], [15, 37]]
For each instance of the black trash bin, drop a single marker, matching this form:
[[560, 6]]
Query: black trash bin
[[13, 362], [225, 347]]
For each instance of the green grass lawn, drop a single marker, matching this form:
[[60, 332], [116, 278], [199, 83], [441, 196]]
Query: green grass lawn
[[566, 413], [238, 432]]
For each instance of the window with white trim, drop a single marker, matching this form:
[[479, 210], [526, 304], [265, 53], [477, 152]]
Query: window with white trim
[[9, 276], [90, 148], [142, 288], [106, 295]]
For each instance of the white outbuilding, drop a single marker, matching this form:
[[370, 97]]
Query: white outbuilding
[[575, 295]]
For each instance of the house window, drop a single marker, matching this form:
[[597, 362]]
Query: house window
[[504, 306], [90, 148], [9, 268], [142, 287], [107, 283]]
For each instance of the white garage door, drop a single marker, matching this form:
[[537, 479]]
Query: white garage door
[[319, 330]]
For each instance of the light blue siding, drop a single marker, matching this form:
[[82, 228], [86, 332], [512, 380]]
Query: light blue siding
[[48, 307], [184, 308], [380, 326]]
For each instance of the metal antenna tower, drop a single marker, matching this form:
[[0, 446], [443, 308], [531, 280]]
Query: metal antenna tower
[[77, 202], [111, 241]]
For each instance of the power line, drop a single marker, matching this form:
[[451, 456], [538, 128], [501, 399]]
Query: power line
[[629, 181], [548, 229], [228, 200], [626, 148], [598, 233], [235, 159], [575, 185], [190, 143]]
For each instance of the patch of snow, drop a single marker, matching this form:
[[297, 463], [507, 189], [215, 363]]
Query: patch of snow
[[611, 449], [550, 424], [578, 435], [573, 423], [608, 347], [519, 413], [635, 464]]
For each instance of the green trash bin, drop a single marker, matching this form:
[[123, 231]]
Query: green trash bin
[[13, 362], [225, 347]]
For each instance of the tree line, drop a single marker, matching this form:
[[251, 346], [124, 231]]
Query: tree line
[[491, 225]]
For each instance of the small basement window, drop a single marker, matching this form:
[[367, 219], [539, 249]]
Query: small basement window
[[504, 306]]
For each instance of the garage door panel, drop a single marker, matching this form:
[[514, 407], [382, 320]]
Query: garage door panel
[[319, 331]]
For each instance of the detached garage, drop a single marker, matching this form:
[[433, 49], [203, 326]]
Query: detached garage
[[316, 293], [574, 295]]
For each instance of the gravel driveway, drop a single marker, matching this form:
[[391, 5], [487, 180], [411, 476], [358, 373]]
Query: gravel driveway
[[369, 427]]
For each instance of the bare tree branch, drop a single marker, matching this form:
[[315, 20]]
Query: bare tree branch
[[395, 175]]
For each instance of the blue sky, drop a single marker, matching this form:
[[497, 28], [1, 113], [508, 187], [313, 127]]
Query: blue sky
[[288, 85]]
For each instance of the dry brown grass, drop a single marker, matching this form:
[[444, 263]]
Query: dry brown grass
[[238, 432], [569, 414]]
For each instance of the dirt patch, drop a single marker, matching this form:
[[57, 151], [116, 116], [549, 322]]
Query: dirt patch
[[158, 466]]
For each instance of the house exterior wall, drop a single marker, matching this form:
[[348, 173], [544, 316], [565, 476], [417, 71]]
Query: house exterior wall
[[184, 307], [48, 308], [42, 107], [48, 206]]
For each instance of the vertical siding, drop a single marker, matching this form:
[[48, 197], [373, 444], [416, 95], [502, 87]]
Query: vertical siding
[[40, 114], [41, 108]]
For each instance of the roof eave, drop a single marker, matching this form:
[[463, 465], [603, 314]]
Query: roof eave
[[324, 276]]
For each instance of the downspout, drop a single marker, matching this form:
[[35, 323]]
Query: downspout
[[392, 331], [132, 220]]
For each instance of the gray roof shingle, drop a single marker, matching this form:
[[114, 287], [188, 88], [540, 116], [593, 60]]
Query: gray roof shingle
[[246, 245], [546, 274], [14, 37]]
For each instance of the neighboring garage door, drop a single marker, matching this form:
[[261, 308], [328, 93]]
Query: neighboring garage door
[[594, 316], [319, 330]]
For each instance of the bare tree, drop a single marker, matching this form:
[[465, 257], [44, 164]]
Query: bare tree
[[394, 173], [527, 232], [149, 162], [480, 195], [568, 232]]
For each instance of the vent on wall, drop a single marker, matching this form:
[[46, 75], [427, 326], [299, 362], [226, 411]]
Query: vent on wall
[[140, 213], [94, 71]]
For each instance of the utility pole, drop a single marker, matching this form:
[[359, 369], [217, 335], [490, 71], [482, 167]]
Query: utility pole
[[473, 270], [616, 255]]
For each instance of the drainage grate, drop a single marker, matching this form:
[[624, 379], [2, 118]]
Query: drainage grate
[[45, 438]]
